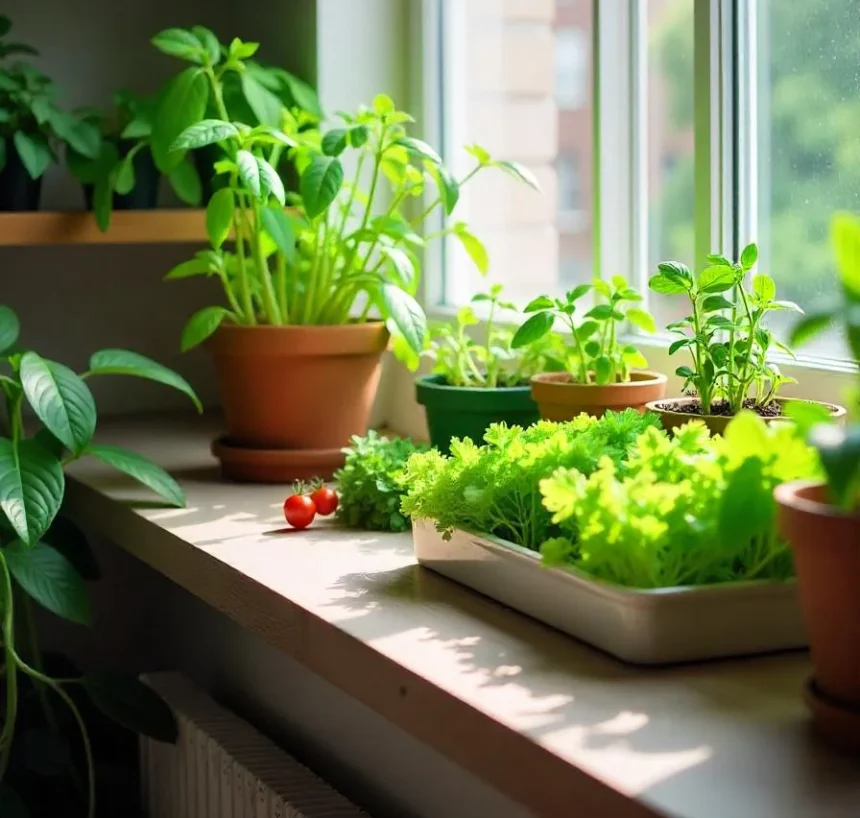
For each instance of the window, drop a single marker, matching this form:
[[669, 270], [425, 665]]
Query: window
[[658, 129]]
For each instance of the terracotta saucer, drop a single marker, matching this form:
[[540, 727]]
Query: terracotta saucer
[[248, 465], [838, 723]]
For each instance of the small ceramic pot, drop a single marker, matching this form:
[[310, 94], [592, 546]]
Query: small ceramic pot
[[455, 411], [560, 399]]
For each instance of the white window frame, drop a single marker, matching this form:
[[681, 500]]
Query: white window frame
[[726, 208]]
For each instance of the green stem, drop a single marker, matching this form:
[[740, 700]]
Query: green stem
[[704, 394], [239, 225], [281, 283], [742, 384], [492, 372], [310, 291], [270, 303], [584, 377], [8, 733], [436, 202]]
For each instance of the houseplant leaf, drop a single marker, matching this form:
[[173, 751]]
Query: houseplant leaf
[[183, 104], [177, 42], [219, 216], [280, 227], [185, 181], [406, 314], [132, 704], [206, 132], [519, 172], [61, 400], [270, 183], [47, 576], [123, 362], [10, 328], [141, 469], [419, 149], [249, 172], [476, 250], [320, 184], [201, 325], [34, 152], [31, 487], [265, 105]]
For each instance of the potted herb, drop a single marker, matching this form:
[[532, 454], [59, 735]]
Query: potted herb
[[124, 176], [728, 340], [32, 127], [44, 559], [822, 522], [473, 384], [653, 548], [313, 294], [598, 372], [222, 82]]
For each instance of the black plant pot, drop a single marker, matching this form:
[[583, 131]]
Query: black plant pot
[[18, 191], [144, 194]]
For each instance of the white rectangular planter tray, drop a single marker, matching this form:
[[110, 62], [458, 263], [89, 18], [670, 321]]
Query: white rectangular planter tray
[[641, 626]]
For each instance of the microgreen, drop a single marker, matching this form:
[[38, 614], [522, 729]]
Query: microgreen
[[493, 488], [595, 353], [687, 510], [371, 482], [726, 333]]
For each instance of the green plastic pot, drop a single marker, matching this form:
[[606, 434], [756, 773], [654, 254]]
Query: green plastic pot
[[463, 411]]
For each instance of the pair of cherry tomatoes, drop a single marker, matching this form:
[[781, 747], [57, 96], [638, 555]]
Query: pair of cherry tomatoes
[[306, 502]]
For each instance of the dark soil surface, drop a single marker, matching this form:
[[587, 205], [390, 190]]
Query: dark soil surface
[[721, 408]]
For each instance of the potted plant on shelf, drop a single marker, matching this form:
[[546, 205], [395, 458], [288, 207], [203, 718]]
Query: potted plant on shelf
[[473, 384], [822, 522], [728, 340], [222, 82], [45, 559], [124, 176], [32, 127], [599, 371], [313, 294]]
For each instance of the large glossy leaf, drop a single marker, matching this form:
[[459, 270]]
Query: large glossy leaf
[[143, 470], [476, 250], [185, 181], [406, 314], [534, 328], [9, 328], [61, 400], [177, 42], [265, 105], [47, 576], [420, 149], [449, 188], [519, 172], [320, 184], [31, 487], [280, 227], [72, 543], [249, 172], [206, 132], [34, 152], [182, 105], [123, 362], [219, 216], [270, 183], [129, 702], [641, 319]]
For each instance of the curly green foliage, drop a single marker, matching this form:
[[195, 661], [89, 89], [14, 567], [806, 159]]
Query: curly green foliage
[[494, 488], [688, 510], [371, 484]]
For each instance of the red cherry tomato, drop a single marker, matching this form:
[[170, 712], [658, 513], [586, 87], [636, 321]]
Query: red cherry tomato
[[299, 510], [325, 500]]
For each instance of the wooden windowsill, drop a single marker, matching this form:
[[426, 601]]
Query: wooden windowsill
[[127, 227], [556, 726]]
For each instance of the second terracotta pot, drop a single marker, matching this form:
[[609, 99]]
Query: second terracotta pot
[[672, 419], [295, 391], [826, 545], [559, 399]]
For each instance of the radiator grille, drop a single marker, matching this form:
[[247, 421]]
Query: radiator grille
[[222, 768]]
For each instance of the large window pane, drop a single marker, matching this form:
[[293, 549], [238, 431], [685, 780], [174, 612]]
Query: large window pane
[[520, 84], [669, 172], [808, 143]]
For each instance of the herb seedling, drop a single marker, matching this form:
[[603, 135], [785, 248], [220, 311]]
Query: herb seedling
[[725, 332], [595, 354], [465, 362]]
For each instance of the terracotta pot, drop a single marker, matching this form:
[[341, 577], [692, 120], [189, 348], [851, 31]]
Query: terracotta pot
[[826, 545], [559, 399], [300, 389], [717, 423]]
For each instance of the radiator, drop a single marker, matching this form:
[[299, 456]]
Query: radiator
[[222, 768]]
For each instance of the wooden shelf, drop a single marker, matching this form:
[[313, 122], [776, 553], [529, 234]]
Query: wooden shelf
[[127, 227]]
